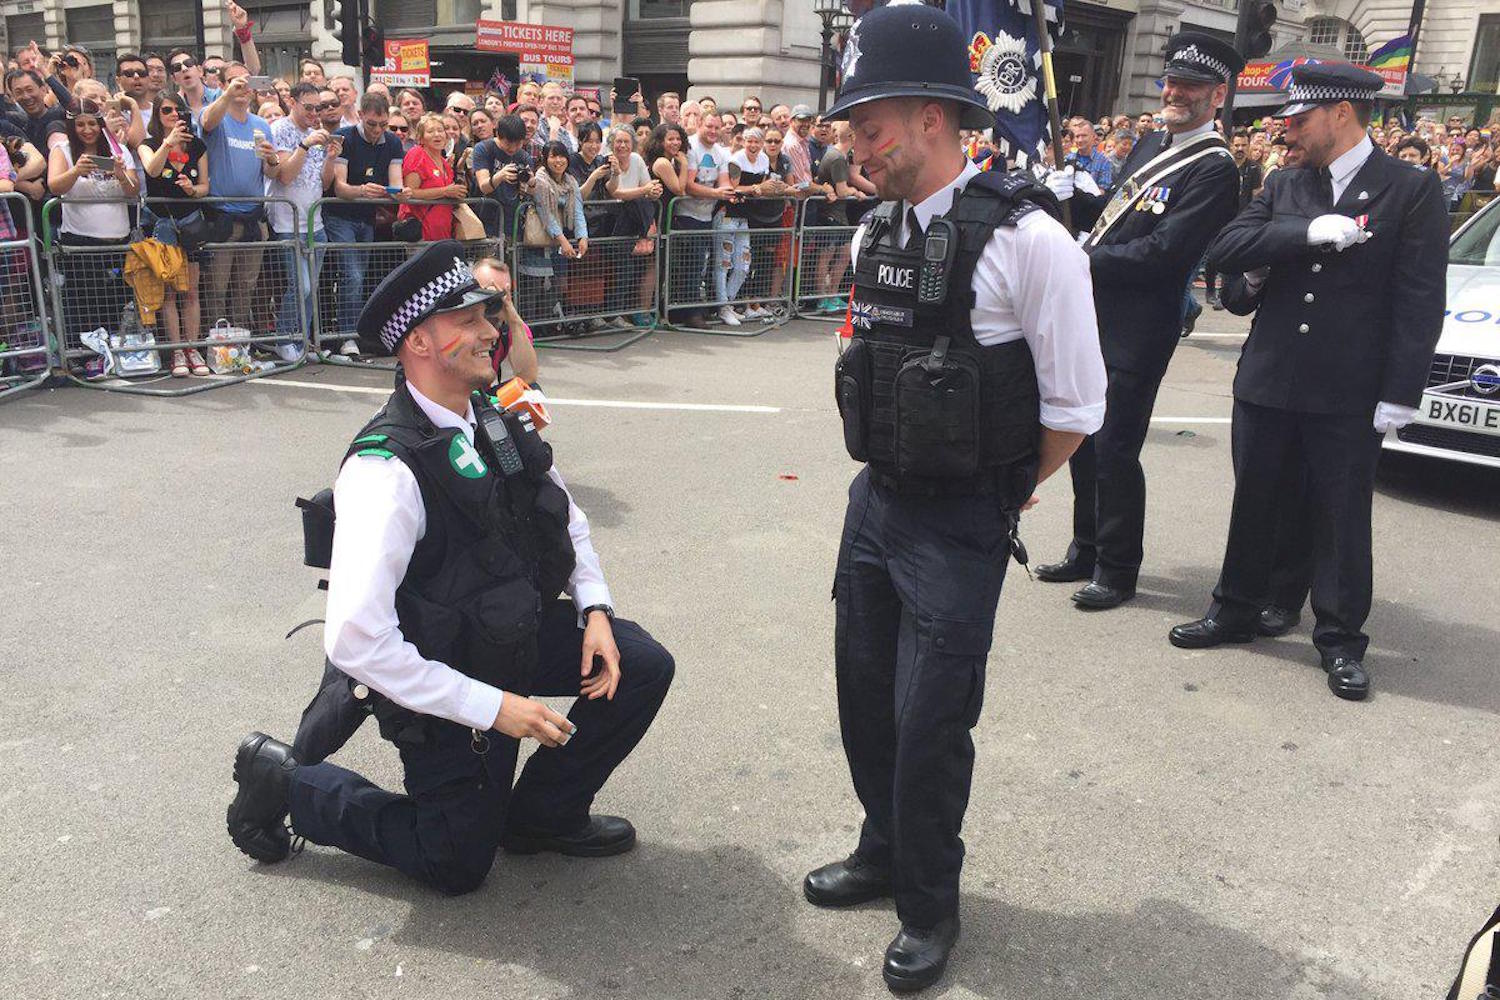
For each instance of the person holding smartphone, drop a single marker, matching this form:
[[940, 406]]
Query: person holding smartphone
[[176, 167], [94, 175]]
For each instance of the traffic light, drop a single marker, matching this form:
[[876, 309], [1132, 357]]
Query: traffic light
[[348, 25], [1252, 34], [374, 45]]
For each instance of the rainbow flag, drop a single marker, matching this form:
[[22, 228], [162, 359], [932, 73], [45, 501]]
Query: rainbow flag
[[1394, 54]]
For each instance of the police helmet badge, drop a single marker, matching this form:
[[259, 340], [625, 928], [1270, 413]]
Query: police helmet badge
[[1002, 75], [851, 52]]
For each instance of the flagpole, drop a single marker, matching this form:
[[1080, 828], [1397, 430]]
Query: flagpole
[[1044, 46]]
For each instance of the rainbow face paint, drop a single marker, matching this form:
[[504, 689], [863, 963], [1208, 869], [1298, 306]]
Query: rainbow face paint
[[452, 348], [890, 146]]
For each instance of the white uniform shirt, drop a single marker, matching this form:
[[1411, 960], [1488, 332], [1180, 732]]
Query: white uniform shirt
[[380, 520], [1032, 282], [1342, 170]]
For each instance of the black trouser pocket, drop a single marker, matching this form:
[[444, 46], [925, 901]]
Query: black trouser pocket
[[937, 417], [851, 390]]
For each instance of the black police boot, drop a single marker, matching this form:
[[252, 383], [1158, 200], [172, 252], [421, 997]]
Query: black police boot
[[1347, 678], [598, 837], [1205, 633], [257, 817], [846, 883], [1191, 320], [917, 956], [1066, 571], [1096, 596], [1276, 621]]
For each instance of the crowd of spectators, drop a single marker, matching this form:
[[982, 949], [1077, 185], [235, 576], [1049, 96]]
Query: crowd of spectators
[[584, 182]]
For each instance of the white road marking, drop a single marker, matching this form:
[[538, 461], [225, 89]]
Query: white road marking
[[1190, 420], [614, 404]]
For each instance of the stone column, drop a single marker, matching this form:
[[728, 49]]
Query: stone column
[[737, 48], [596, 28]]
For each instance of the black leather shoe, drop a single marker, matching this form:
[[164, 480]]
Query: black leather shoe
[[600, 837], [1347, 678], [257, 817], [1191, 319], [1096, 596], [847, 882], [1276, 621], [917, 956], [1063, 572], [1205, 633]]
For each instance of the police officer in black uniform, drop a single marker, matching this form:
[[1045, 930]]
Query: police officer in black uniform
[[1175, 191], [1345, 253], [972, 372], [454, 537]]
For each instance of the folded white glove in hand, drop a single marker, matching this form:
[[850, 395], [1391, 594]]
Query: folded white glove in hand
[[1393, 416], [1060, 183], [1084, 181], [1338, 231]]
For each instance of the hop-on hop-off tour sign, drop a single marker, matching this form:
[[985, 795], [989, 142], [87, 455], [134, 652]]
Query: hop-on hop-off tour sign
[[407, 64], [1390, 62], [543, 50]]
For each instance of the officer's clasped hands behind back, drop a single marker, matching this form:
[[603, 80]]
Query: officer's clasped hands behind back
[[455, 535]]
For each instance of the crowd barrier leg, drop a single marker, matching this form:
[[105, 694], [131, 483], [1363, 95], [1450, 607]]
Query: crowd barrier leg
[[745, 266], [824, 273], [611, 291], [26, 346], [233, 300]]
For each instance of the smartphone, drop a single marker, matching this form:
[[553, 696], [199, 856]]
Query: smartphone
[[625, 88], [258, 83], [102, 162], [112, 105], [391, 189]]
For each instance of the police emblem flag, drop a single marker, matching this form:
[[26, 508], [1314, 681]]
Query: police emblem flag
[[1010, 65]]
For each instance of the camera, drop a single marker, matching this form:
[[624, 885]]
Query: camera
[[523, 175]]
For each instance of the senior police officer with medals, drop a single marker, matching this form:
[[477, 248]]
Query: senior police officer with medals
[[454, 537], [1177, 188], [1344, 256], [972, 372]]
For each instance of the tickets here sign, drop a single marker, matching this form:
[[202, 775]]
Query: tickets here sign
[[407, 64], [542, 50]]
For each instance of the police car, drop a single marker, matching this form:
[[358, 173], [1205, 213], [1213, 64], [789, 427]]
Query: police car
[[1459, 417]]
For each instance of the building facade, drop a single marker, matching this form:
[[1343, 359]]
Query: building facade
[[1108, 58]]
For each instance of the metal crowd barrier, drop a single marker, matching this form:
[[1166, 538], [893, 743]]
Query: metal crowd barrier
[[695, 300], [350, 271], [250, 295], [613, 289], [26, 353], [824, 274]]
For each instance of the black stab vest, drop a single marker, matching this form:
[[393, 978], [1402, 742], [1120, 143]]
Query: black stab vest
[[496, 548], [971, 426]]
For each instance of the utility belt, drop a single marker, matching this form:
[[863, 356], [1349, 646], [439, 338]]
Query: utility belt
[[1008, 483]]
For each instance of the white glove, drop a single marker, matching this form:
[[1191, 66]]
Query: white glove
[[1084, 181], [1338, 231], [1060, 183], [1393, 416]]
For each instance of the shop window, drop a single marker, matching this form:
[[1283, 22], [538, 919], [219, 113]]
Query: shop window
[[94, 29], [23, 28], [1484, 67], [649, 10], [167, 25]]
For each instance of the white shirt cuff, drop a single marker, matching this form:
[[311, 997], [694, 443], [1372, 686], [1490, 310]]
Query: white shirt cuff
[[586, 595], [1073, 419], [1393, 416], [480, 705]]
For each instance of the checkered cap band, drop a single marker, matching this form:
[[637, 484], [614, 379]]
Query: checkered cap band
[[429, 295], [1320, 93], [1192, 54]]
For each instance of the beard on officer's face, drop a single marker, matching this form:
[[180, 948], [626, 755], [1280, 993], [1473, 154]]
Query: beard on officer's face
[[460, 347]]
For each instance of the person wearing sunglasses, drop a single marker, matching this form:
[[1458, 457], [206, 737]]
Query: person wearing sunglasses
[[750, 111], [134, 81], [186, 73], [176, 168], [233, 133], [330, 114], [300, 174], [401, 130], [515, 343]]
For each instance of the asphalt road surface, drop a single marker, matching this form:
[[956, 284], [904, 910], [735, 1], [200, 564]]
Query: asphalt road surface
[[1145, 823]]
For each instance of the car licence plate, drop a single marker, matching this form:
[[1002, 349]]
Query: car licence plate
[[1460, 413]]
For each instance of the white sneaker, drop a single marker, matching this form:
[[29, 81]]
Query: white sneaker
[[289, 352], [349, 349], [755, 312], [729, 316]]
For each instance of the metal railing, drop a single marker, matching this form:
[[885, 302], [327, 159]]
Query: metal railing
[[744, 260], [240, 296], [824, 272], [25, 351]]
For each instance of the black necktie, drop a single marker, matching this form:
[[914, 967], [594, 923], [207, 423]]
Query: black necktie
[[913, 230], [1325, 186], [1166, 142]]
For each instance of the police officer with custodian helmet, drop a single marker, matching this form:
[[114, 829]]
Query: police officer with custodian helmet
[[454, 536], [972, 372]]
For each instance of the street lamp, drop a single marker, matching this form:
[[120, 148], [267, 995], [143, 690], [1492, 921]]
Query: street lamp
[[835, 18]]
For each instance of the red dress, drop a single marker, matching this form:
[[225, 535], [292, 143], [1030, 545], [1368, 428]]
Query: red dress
[[437, 220]]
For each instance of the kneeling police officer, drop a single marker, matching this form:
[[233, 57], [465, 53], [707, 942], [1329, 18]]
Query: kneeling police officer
[[454, 537], [972, 373]]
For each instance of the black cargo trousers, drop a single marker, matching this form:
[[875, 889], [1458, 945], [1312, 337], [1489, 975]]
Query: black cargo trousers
[[916, 588]]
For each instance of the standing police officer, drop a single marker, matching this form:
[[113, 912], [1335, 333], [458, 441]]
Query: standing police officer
[[1178, 187], [972, 373], [1346, 251], [454, 537]]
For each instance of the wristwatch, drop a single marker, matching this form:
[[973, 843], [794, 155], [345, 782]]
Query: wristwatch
[[303, 146], [609, 612]]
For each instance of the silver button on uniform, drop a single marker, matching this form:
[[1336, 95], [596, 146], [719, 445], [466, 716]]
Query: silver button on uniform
[[361, 692], [1308, 297], [1303, 328], [1317, 268]]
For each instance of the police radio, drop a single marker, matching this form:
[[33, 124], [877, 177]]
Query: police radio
[[939, 247], [492, 426]]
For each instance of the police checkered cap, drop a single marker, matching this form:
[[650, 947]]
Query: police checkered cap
[[1326, 94], [1196, 55], [1315, 84], [457, 278], [1192, 56]]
